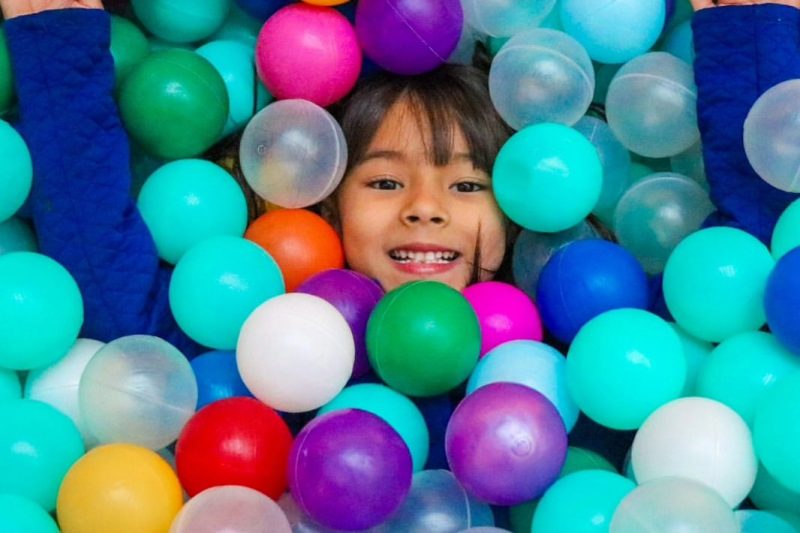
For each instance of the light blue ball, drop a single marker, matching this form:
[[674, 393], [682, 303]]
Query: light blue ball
[[614, 32], [17, 236], [189, 200], [394, 408], [181, 21], [16, 171], [531, 363], [217, 284]]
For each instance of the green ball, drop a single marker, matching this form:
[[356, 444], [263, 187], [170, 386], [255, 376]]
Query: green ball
[[547, 177], [16, 171], [38, 444], [174, 104], [22, 515], [181, 21], [423, 338], [7, 94], [743, 368], [767, 493], [623, 365], [786, 234], [714, 283], [41, 311], [583, 502], [776, 433], [129, 46], [16, 235]]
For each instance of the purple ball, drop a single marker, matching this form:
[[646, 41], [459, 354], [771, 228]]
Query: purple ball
[[349, 470], [409, 36], [355, 296], [506, 443]]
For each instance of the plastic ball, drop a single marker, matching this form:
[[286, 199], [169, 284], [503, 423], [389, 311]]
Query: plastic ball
[[614, 32], [658, 212], [752, 521], [541, 75], [423, 338], [651, 105], [181, 21], [582, 501], [409, 37], [234, 441], [355, 296], [246, 94], [499, 18], [533, 250], [187, 201], [7, 93], [295, 352], [771, 134], [504, 312], [690, 163], [293, 153], [16, 235], [679, 42], [623, 365], [509, 428], [301, 242], [217, 284], [308, 52], [174, 104], [673, 504], [58, 384], [325, 2], [775, 436], [16, 172], [10, 386], [533, 364], [714, 283], [547, 177], [230, 508], [782, 300], [38, 445], [392, 407], [129, 46], [785, 236], [243, 28], [18, 514], [699, 439], [768, 493], [217, 377], [118, 488], [349, 470], [137, 389], [41, 310], [697, 353], [586, 278]]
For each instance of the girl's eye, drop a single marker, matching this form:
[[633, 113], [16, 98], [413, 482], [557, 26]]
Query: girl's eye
[[469, 186], [384, 184]]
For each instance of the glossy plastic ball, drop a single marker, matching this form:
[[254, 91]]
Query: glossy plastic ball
[[21, 514], [782, 300], [16, 171], [230, 508], [217, 377]]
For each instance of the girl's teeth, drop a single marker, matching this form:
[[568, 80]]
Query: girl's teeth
[[406, 256]]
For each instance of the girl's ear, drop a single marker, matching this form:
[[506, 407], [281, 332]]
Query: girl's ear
[[329, 210]]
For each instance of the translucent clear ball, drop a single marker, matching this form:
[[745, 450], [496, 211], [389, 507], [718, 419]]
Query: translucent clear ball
[[690, 163], [230, 508], [541, 75], [502, 18], [137, 389], [772, 136], [293, 153], [651, 105], [656, 213]]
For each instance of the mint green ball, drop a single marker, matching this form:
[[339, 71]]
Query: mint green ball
[[394, 408], [583, 502], [22, 515], [547, 177], [786, 234], [743, 368], [16, 235], [189, 200], [181, 21], [776, 433], [16, 171], [623, 365], [714, 283], [128, 46]]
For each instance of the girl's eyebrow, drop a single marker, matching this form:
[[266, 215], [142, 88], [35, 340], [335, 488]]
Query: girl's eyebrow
[[395, 155]]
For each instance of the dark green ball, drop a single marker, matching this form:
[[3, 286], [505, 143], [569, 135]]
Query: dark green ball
[[7, 95], [174, 104], [423, 338], [129, 46]]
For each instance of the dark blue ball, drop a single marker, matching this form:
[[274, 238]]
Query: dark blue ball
[[262, 9], [782, 300], [217, 377], [584, 279]]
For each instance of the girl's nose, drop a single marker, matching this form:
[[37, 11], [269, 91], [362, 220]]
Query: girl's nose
[[425, 205]]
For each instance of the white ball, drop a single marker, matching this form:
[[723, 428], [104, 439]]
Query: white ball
[[295, 352], [699, 439]]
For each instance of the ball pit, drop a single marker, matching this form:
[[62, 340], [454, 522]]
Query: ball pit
[[16, 171]]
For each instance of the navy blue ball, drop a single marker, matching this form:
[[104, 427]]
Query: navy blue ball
[[217, 377], [584, 279], [262, 9], [782, 300]]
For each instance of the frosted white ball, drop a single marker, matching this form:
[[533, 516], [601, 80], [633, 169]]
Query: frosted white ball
[[230, 508]]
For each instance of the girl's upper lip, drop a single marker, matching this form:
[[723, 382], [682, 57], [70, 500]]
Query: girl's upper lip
[[423, 247]]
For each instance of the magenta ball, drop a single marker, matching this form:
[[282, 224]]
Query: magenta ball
[[409, 36], [506, 443], [308, 52], [349, 470], [355, 296], [505, 314]]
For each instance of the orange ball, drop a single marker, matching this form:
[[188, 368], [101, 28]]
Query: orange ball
[[325, 2], [300, 241]]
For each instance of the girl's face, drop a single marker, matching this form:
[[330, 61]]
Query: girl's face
[[403, 218]]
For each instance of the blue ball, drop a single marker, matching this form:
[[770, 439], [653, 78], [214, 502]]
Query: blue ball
[[262, 9], [782, 300], [217, 377], [587, 278]]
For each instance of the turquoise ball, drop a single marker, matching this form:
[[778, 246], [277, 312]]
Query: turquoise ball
[[16, 171], [181, 21]]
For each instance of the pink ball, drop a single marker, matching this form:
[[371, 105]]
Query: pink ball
[[505, 314], [309, 52]]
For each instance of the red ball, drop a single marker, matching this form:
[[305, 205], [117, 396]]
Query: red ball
[[235, 441]]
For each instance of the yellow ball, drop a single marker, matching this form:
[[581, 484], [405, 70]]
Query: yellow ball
[[325, 2], [119, 488]]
